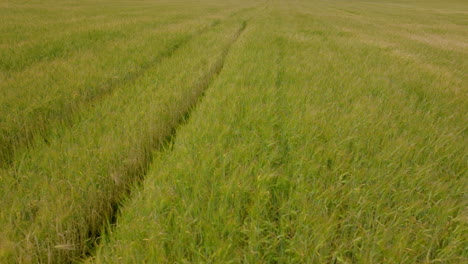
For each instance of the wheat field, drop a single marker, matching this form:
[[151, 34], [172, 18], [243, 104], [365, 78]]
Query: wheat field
[[180, 131]]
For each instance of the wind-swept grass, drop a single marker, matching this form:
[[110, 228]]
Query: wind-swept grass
[[55, 199], [311, 147], [259, 132], [49, 93]]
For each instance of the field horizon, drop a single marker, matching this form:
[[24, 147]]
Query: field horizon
[[181, 131]]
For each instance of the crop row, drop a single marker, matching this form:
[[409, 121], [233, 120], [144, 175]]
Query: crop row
[[310, 150], [55, 199]]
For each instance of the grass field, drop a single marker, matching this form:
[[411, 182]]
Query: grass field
[[212, 131]]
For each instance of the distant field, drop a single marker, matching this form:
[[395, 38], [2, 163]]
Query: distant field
[[212, 131]]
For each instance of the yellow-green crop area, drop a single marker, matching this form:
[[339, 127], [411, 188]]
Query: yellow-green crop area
[[233, 131]]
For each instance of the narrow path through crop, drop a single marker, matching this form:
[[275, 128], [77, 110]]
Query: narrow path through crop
[[12, 140], [160, 144]]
